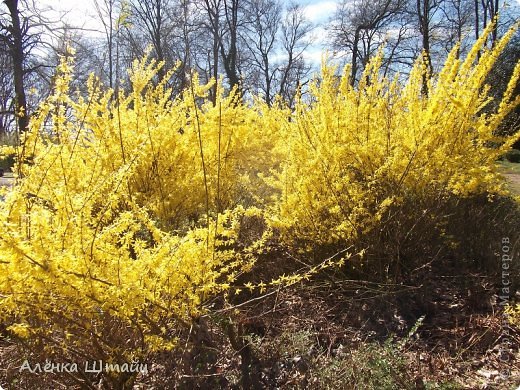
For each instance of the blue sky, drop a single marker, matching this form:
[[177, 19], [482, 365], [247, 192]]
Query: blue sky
[[83, 12], [80, 11], [319, 10]]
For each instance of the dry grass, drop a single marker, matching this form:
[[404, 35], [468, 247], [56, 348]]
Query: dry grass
[[511, 172]]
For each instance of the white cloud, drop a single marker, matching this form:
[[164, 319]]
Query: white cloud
[[321, 10], [313, 56], [76, 13], [319, 35]]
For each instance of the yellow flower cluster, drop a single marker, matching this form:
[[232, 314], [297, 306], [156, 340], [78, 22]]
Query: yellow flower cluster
[[513, 314], [128, 207], [354, 153], [129, 204]]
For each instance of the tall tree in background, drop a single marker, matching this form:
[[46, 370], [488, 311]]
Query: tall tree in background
[[13, 32], [224, 24], [152, 16], [210, 9], [6, 90], [110, 15], [360, 27], [296, 39], [425, 12], [168, 27], [90, 57], [485, 13], [153, 23], [257, 45], [261, 27], [228, 43], [457, 24], [21, 28]]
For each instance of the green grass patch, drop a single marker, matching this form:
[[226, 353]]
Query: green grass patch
[[509, 167]]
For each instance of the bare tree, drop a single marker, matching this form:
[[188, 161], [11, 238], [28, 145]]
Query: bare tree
[[228, 43], [15, 33], [442, 23], [361, 27], [262, 22], [110, 15], [295, 40], [485, 13], [224, 20], [211, 21], [154, 22], [6, 91], [456, 23], [425, 12], [22, 26]]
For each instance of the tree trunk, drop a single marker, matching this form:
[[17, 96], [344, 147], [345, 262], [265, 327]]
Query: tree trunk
[[16, 48], [355, 51], [230, 58], [423, 12], [215, 58]]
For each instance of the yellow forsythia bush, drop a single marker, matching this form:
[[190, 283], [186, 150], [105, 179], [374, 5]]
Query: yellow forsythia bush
[[119, 214], [126, 215], [355, 153]]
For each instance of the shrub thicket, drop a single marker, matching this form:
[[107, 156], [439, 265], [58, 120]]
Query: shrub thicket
[[513, 156], [129, 210]]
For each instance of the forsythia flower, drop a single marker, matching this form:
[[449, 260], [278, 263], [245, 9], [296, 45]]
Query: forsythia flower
[[127, 208], [134, 208]]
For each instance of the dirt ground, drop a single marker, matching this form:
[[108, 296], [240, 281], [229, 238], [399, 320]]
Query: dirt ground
[[6, 181], [514, 181]]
